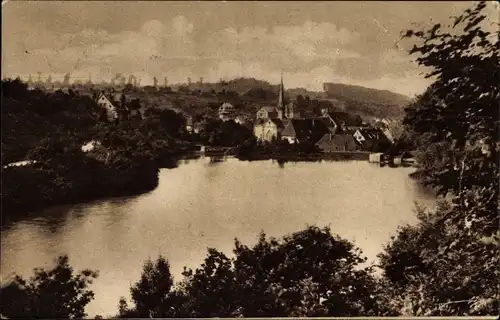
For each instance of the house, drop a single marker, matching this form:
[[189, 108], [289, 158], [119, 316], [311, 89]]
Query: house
[[244, 121], [337, 142], [94, 149], [303, 130], [240, 120], [377, 157], [341, 121], [193, 125], [194, 120], [226, 111], [371, 139], [267, 113], [111, 110], [268, 129]]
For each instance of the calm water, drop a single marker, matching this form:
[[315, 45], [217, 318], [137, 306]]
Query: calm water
[[203, 204]]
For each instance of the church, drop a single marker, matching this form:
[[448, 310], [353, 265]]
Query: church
[[272, 120]]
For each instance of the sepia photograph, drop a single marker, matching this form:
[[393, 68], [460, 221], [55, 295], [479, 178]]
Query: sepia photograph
[[255, 159]]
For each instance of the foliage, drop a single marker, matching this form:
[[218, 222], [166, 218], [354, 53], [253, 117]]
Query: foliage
[[63, 173], [460, 109], [362, 94], [437, 268], [166, 122], [308, 273], [56, 127], [447, 264], [246, 149], [57, 293], [152, 293], [224, 133], [28, 116]]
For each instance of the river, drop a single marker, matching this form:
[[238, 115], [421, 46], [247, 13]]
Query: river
[[203, 204]]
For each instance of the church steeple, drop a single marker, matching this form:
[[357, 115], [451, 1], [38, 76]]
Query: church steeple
[[281, 97]]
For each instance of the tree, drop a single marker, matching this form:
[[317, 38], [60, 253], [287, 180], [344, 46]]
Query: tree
[[245, 149], [442, 269], [168, 121], [15, 89], [151, 293], [308, 273], [135, 104], [56, 150], [56, 293], [460, 108], [446, 264]]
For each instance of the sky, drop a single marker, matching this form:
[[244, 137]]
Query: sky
[[350, 42]]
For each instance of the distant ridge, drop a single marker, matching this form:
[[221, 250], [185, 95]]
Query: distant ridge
[[385, 97]]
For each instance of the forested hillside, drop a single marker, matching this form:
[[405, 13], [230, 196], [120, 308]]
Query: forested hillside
[[373, 102]]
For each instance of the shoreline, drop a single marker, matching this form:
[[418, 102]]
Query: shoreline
[[18, 213]]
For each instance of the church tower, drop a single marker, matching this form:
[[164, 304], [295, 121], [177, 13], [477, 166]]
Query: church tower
[[281, 99]]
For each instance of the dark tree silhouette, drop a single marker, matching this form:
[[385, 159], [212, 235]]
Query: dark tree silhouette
[[57, 293], [447, 263], [308, 273]]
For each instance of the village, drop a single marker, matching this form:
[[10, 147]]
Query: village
[[330, 129]]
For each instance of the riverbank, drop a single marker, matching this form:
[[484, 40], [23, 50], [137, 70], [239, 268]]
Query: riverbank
[[37, 186], [294, 156]]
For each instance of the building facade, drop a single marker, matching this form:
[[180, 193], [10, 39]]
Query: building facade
[[226, 112], [111, 110], [268, 129]]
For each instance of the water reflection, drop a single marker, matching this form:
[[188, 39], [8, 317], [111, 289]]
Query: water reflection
[[207, 203], [281, 164]]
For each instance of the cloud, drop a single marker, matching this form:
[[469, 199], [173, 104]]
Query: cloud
[[182, 26], [308, 42], [144, 49], [309, 53], [153, 29]]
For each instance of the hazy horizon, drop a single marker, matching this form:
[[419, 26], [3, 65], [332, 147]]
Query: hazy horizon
[[352, 43]]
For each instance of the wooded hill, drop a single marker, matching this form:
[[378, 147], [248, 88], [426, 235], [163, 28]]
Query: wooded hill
[[245, 92]]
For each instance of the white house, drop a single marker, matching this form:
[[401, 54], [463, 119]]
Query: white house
[[226, 111], [111, 110]]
